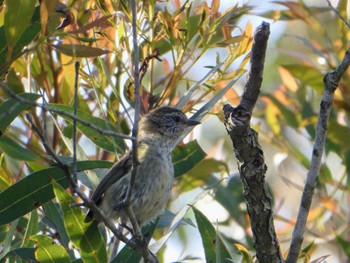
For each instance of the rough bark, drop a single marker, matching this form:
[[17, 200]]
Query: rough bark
[[251, 157], [331, 81]]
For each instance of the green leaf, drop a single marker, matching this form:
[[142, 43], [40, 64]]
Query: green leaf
[[87, 39], [186, 157], [347, 165], [31, 229], [53, 214], [11, 108], [6, 246], [290, 116], [309, 246], [28, 36], [14, 81], [214, 248], [16, 151], [36, 189], [18, 15], [178, 219], [3, 232], [337, 132], [308, 75], [210, 104], [344, 244], [163, 46], [201, 173], [168, 217], [325, 174], [230, 197], [184, 99], [3, 43], [75, 50], [85, 236], [46, 250], [108, 143], [191, 25], [24, 253]]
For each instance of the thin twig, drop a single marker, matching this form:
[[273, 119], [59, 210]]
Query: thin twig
[[148, 257], [338, 14], [136, 75], [45, 107], [75, 106], [331, 81]]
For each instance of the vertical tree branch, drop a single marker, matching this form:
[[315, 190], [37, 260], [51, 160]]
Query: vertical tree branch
[[147, 255], [248, 152], [76, 82], [331, 81], [135, 162]]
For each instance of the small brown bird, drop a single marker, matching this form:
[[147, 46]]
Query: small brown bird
[[159, 131]]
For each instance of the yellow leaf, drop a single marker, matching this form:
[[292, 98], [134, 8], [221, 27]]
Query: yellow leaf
[[273, 119], [47, 8], [247, 40], [288, 79]]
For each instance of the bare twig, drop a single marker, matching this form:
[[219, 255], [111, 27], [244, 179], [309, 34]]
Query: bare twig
[[248, 152], [331, 81], [45, 107], [136, 75], [338, 14], [147, 255], [77, 65]]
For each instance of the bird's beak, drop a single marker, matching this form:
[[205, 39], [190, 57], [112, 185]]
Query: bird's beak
[[193, 122]]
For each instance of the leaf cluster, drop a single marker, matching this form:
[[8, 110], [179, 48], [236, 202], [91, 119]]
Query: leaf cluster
[[38, 48]]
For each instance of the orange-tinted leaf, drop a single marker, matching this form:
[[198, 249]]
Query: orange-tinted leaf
[[297, 10], [47, 8], [294, 12], [94, 23], [288, 79], [215, 4]]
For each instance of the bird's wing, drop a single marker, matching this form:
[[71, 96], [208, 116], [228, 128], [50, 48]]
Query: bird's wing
[[119, 170]]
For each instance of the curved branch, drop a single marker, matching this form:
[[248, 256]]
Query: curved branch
[[331, 81]]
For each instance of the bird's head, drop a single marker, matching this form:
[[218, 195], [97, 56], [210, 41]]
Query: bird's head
[[166, 123]]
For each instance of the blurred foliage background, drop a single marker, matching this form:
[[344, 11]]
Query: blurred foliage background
[[203, 47]]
